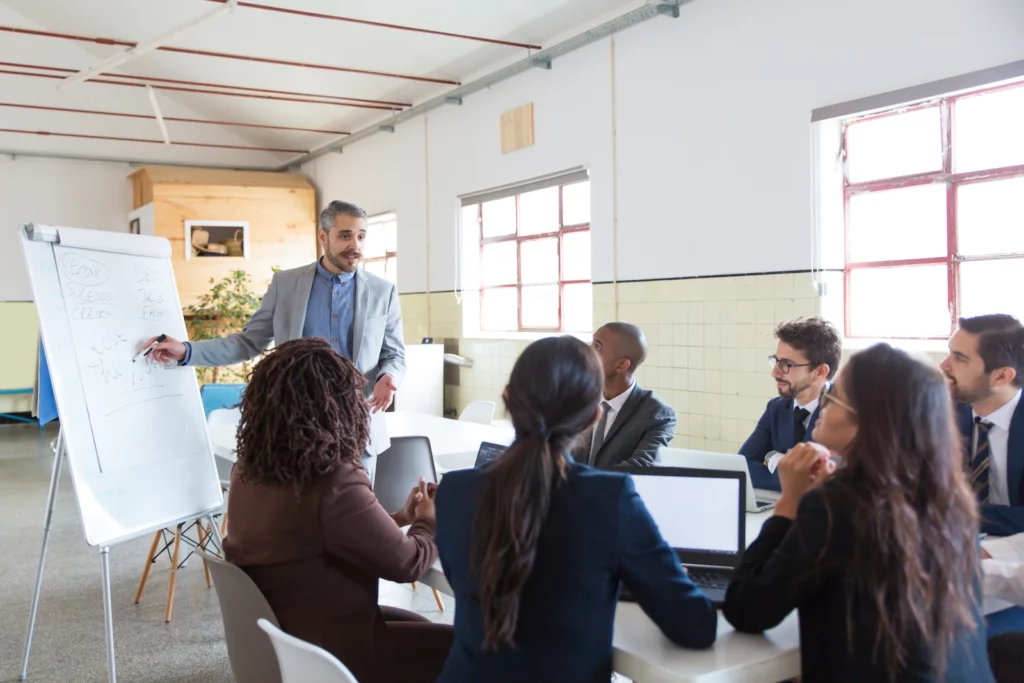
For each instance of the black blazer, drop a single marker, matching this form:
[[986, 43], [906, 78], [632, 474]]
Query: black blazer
[[1000, 520], [645, 424], [597, 533], [801, 565], [774, 432]]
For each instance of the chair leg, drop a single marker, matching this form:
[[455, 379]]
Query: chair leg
[[224, 525], [204, 536], [149, 564], [414, 585], [169, 609], [437, 597]]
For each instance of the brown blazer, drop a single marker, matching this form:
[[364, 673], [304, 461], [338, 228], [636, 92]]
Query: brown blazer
[[317, 557]]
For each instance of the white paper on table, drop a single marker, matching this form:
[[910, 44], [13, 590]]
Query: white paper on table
[[379, 439]]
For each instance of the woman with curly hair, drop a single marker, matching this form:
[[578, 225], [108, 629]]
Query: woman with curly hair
[[307, 528]]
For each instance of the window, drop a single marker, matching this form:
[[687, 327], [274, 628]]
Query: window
[[934, 206], [533, 263], [380, 251]]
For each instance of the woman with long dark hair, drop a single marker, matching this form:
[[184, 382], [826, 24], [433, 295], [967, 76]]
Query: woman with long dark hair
[[307, 528], [880, 557], [535, 545]]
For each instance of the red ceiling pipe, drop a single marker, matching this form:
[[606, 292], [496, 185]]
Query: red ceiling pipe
[[99, 112], [379, 24], [214, 85], [148, 140], [226, 55], [158, 86]]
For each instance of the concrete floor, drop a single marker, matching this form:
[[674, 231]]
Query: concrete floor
[[69, 640]]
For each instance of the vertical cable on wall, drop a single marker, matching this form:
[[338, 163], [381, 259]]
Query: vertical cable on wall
[[615, 188], [426, 202]]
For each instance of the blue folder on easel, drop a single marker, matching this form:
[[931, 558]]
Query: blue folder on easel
[[47, 402]]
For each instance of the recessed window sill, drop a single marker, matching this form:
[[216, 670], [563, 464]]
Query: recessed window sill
[[925, 345]]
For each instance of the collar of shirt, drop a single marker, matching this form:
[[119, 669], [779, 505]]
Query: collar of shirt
[[1003, 416], [324, 273], [620, 400], [810, 407]]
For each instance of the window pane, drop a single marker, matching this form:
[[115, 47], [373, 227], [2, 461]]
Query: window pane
[[538, 212], [987, 131], [375, 267], [391, 269], [984, 287], [576, 203], [578, 308], [374, 244], [893, 146], [540, 307], [898, 224], [470, 220], [539, 260], [501, 309], [391, 236], [498, 264], [904, 301], [576, 256], [990, 217], [499, 217]]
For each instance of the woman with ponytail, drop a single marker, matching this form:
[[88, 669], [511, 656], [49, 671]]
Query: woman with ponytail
[[535, 545]]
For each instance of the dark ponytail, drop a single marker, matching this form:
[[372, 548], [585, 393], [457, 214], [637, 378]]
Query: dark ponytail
[[552, 396]]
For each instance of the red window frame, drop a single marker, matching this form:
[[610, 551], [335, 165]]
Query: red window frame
[[381, 219], [562, 231], [952, 259]]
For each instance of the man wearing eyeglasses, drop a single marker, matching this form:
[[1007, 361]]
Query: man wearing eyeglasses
[[805, 361]]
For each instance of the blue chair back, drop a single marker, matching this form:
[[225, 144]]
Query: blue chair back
[[220, 396]]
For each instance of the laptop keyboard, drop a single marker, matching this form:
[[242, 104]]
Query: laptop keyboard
[[709, 579]]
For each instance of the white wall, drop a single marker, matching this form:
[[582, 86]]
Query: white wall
[[81, 194], [713, 129]]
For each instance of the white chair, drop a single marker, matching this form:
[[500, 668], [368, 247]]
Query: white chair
[[301, 662], [480, 412]]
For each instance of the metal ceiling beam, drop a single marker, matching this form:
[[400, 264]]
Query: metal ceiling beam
[[129, 161], [549, 55]]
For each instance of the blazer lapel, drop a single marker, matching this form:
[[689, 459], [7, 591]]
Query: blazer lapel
[[300, 301], [1015, 457], [787, 427], [628, 408], [359, 315]]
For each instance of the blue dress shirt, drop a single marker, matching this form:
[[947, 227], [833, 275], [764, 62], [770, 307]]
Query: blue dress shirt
[[331, 309]]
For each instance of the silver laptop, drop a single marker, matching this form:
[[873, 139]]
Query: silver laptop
[[757, 501], [701, 515]]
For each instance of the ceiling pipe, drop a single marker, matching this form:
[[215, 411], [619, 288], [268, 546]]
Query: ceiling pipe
[[131, 162], [203, 84], [227, 55], [84, 136], [380, 24], [145, 48], [624, 21], [179, 119]]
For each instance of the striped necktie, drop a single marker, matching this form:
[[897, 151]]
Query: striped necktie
[[980, 462]]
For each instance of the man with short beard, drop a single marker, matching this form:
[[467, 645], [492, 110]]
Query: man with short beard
[[985, 369], [806, 358]]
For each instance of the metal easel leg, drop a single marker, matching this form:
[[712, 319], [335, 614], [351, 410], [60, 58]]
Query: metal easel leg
[[58, 458], [217, 538], [108, 615]]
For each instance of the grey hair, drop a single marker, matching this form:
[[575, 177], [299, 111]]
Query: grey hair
[[339, 208]]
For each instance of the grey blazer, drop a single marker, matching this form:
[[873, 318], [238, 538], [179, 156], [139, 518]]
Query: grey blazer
[[377, 342], [645, 424]]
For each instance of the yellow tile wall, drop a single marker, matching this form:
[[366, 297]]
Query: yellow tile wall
[[19, 345]]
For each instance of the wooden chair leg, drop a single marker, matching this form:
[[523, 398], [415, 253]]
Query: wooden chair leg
[[224, 525], [204, 535], [414, 585], [169, 609], [149, 564], [437, 597]]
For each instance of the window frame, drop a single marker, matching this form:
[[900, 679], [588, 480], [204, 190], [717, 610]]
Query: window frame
[[560, 234], [380, 219], [946, 175]]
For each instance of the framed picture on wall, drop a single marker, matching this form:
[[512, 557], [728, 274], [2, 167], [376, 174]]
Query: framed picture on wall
[[135, 226]]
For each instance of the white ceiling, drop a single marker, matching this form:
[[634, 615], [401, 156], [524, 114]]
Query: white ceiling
[[255, 33]]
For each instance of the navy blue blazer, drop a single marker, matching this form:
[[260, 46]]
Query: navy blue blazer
[[1000, 520], [597, 533], [774, 432]]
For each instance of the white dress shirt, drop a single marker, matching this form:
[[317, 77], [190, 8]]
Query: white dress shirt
[[1004, 573], [616, 407], [998, 444], [772, 461]]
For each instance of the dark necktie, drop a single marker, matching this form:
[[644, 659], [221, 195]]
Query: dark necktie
[[980, 461], [599, 430], [799, 431]]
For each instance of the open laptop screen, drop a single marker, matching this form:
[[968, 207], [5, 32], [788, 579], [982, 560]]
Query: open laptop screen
[[700, 513]]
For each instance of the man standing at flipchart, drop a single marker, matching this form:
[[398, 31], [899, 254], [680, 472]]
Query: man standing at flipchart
[[356, 311]]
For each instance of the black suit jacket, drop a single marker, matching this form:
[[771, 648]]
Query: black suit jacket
[[1000, 520], [642, 427], [774, 432], [801, 564]]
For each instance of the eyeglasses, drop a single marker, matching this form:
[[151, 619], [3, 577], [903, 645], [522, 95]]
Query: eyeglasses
[[786, 365], [828, 395]]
